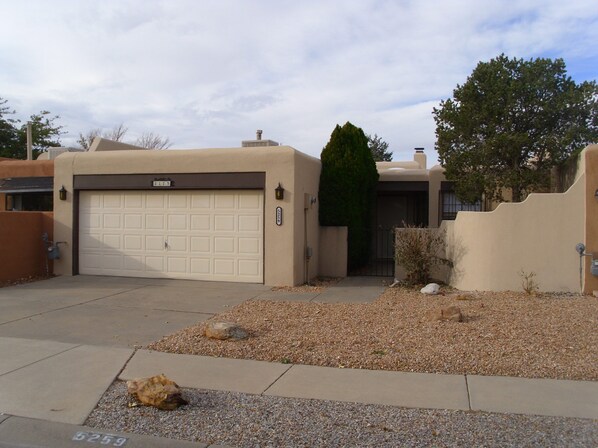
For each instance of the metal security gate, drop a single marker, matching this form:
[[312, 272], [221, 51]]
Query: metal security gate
[[381, 261]]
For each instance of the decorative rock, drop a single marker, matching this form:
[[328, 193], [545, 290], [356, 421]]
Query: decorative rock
[[431, 288], [224, 331], [452, 313], [157, 391]]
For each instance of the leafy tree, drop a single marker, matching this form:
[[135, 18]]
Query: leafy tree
[[45, 133], [379, 148], [510, 123], [8, 134], [347, 188]]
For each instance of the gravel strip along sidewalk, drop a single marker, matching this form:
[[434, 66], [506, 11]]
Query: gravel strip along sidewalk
[[241, 420], [504, 334]]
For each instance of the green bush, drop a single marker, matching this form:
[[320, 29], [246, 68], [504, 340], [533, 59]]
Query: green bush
[[417, 250], [347, 188]]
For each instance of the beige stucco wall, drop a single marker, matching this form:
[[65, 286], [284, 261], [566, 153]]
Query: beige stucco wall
[[307, 229], [538, 235], [333, 251], [589, 165], [283, 245]]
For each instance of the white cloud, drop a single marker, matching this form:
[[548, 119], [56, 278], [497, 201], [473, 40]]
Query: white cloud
[[207, 74]]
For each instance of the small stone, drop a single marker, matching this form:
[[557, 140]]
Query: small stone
[[431, 288], [452, 313], [224, 331]]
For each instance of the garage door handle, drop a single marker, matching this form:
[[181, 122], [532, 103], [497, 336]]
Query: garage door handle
[[165, 244]]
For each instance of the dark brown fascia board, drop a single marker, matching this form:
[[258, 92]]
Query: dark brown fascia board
[[178, 181]]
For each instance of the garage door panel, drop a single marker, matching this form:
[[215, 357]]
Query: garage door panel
[[133, 221], [207, 235], [111, 221], [111, 261], [112, 200], [200, 201], [224, 245], [249, 202], [249, 246], [133, 200], [155, 263], [90, 241], [177, 222], [112, 241], [177, 201], [224, 266], [201, 244], [249, 268], [132, 242], [250, 223], [154, 200], [201, 266], [224, 201], [177, 265], [90, 221], [154, 242], [224, 223], [155, 221], [177, 243], [200, 222]]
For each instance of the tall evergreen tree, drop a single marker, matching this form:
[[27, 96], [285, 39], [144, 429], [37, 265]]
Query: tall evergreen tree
[[379, 148], [510, 123], [347, 188]]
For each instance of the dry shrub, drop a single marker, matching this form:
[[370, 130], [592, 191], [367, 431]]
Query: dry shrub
[[417, 250]]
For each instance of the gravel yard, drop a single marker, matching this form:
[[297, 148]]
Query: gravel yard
[[242, 420], [512, 334]]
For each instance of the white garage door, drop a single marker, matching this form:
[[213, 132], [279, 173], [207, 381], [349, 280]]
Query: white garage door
[[203, 235]]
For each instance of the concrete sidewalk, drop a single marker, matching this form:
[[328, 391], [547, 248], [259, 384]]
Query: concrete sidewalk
[[62, 382], [414, 390]]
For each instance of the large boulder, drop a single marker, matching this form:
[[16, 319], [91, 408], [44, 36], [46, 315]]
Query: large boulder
[[452, 313], [157, 391], [224, 331]]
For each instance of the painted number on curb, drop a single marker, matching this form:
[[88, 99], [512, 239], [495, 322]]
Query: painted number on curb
[[100, 438]]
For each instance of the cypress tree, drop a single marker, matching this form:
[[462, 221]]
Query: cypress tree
[[347, 188]]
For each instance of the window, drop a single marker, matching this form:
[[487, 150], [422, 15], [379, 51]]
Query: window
[[38, 202], [451, 205]]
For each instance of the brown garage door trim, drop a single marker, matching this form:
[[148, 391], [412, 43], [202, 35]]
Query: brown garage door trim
[[177, 181]]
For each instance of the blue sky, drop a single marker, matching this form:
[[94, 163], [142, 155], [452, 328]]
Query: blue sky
[[209, 73]]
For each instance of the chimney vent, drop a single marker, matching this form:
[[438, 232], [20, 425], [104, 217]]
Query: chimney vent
[[420, 158]]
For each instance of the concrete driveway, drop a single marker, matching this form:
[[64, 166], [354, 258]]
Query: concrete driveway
[[113, 311]]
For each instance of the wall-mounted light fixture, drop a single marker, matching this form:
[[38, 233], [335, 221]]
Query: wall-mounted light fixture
[[62, 193], [596, 194], [279, 192]]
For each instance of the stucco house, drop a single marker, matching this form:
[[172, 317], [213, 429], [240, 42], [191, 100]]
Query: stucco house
[[247, 214]]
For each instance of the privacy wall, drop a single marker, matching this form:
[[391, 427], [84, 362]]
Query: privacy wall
[[490, 250]]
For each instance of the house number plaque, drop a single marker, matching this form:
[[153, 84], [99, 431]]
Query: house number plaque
[[278, 216], [162, 183]]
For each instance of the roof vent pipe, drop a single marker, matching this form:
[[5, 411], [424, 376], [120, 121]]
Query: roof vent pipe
[[258, 134], [29, 141]]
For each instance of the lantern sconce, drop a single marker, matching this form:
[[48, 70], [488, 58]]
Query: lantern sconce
[[596, 194], [62, 193], [279, 192]]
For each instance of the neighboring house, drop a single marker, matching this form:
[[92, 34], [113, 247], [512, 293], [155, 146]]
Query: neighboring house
[[26, 185]]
